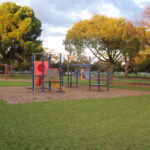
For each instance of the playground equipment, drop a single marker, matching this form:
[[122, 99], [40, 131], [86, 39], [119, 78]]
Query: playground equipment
[[42, 72], [101, 81], [38, 71], [84, 71], [7, 70], [72, 78]]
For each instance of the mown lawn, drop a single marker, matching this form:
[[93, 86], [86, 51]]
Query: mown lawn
[[131, 87], [146, 81], [18, 76], [100, 124], [122, 84], [15, 83]]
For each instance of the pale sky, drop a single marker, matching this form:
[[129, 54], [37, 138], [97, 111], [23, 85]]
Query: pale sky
[[57, 16]]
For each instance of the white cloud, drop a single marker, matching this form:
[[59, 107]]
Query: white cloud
[[62, 30], [82, 14], [19, 2], [55, 43], [108, 9], [142, 3], [52, 30]]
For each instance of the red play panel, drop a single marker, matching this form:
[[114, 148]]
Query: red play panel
[[38, 67]]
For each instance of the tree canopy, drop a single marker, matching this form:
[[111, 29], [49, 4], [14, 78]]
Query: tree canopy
[[109, 39], [98, 34], [19, 32]]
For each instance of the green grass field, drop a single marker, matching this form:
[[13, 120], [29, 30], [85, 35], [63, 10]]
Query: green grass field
[[107, 124], [85, 82], [131, 87], [100, 124], [18, 76], [128, 80], [14, 83]]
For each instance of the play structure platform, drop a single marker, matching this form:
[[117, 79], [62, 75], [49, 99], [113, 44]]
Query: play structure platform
[[43, 72]]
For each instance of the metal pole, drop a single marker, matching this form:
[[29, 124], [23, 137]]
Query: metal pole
[[42, 72], [108, 78], [98, 80], [77, 74], [89, 73], [71, 79], [33, 73], [49, 61], [68, 79], [77, 78], [49, 66], [60, 71], [62, 78]]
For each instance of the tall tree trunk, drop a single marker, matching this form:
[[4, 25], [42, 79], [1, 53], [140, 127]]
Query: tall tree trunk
[[126, 69], [111, 72]]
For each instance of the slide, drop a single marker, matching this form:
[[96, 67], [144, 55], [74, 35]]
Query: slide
[[86, 75], [38, 80], [56, 85]]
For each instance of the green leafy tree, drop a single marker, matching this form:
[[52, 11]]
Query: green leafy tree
[[19, 32]]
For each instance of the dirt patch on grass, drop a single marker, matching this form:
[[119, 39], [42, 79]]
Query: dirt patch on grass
[[25, 95]]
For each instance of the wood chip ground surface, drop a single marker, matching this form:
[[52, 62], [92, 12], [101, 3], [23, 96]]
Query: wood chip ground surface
[[24, 94]]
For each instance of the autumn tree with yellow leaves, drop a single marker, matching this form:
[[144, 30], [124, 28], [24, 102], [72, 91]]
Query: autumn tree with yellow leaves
[[107, 38], [132, 44], [19, 32], [141, 60]]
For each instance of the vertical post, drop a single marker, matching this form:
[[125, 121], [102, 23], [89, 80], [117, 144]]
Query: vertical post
[[77, 77], [71, 79], [89, 73], [49, 65], [68, 79], [60, 72], [42, 72], [49, 61], [33, 73], [62, 78], [77, 74], [98, 80], [108, 78], [6, 71]]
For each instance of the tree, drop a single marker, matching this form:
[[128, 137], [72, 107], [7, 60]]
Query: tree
[[145, 20], [145, 23], [140, 35], [131, 45], [19, 30], [101, 35]]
